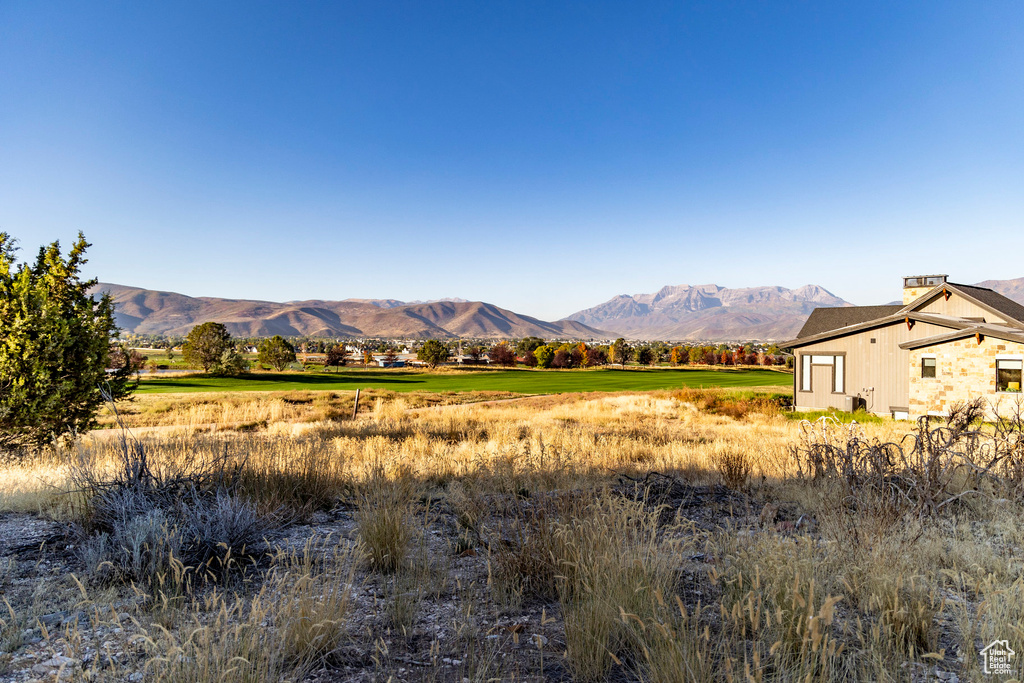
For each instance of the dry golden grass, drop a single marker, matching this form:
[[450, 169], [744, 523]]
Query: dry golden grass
[[532, 494], [250, 411]]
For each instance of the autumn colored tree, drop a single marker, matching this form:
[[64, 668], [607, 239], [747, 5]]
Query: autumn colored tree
[[545, 355], [502, 354], [390, 356], [337, 356], [566, 359], [527, 345], [121, 355], [620, 352], [594, 356], [475, 352], [579, 355]]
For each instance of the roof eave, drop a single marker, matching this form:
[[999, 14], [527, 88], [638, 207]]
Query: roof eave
[[877, 322], [939, 289], [839, 332], [963, 334]]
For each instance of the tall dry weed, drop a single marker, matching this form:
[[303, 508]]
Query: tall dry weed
[[385, 518]]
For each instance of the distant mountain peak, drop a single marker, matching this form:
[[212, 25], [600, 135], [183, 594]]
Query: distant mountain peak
[[710, 311]]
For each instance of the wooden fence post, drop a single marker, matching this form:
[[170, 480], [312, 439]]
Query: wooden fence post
[[355, 408]]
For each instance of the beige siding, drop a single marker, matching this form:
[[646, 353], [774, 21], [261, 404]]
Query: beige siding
[[959, 307], [876, 372]]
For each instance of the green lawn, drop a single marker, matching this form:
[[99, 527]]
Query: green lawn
[[517, 381]]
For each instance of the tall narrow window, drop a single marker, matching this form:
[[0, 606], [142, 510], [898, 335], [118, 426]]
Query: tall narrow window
[[805, 373], [837, 376], [1008, 374], [927, 367]]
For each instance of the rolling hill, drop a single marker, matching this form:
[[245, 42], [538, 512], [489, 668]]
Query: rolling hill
[[1011, 289], [682, 312], [146, 311]]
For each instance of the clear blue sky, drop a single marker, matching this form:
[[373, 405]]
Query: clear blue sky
[[541, 156]]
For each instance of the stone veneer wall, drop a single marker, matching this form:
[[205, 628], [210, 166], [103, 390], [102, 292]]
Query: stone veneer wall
[[964, 370]]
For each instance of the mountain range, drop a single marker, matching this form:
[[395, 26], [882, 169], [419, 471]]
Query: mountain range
[[680, 312], [705, 312], [146, 311]]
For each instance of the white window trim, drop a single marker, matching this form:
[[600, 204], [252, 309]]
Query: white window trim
[[838, 365], [1005, 356]]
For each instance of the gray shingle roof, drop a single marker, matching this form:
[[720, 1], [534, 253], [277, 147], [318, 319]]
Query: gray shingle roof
[[827, 319]]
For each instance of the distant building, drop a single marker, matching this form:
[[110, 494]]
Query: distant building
[[945, 343]]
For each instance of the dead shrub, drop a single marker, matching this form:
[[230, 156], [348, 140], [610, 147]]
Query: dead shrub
[[717, 401], [149, 523], [734, 467], [930, 469]]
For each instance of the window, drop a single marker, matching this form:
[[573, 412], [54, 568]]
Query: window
[[924, 281], [1008, 374], [836, 363], [927, 368]]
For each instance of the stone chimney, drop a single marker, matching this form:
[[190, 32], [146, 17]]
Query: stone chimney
[[916, 286]]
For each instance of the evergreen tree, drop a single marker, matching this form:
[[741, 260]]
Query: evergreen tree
[[55, 343], [433, 352]]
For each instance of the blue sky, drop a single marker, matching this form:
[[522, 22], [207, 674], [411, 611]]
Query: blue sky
[[541, 156]]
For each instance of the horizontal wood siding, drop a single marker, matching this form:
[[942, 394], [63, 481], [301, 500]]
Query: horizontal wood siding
[[881, 366]]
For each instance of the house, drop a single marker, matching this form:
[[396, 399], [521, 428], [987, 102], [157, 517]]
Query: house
[[945, 343]]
